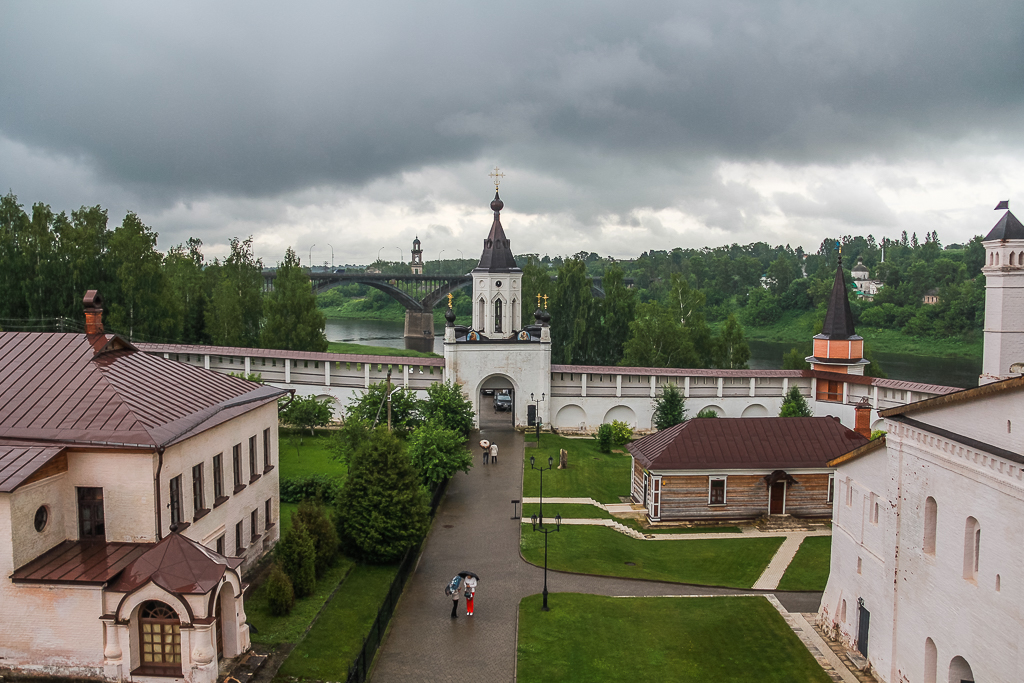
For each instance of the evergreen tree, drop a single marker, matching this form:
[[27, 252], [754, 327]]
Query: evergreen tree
[[616, 311], [794, 360], [317, 522], [184, 265], [438, 452], [294, 321], [448, 407], [236, 307], [280, 594], [297, 554], [141, 306], [382, 511], [536, 280], [572, 309], [794, 405], [669, 407]]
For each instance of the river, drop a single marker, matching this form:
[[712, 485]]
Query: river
[[954, 372]]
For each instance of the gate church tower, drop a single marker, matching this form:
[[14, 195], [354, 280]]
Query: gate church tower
[[497, 283], [1004, 299]]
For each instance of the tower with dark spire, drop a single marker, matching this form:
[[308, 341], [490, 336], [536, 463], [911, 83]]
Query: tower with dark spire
[[838, 348], [417, 257], [1004, 298], [497, 283]]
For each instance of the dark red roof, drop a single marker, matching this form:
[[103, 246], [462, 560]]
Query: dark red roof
[[761, 443], [323, 356], [178, 565], [98, 389], [80, 562], [17, 463]]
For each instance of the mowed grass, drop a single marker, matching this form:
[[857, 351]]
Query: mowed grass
[[809, 569], [290, 627], [312, 456], [735, 563], [591, 473], [568, 511], [724, 639], [331, 646], [637, 526]]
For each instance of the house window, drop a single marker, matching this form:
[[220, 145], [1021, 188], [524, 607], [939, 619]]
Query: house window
[[266, 450], [253, 471], [972, 548], [254, 525], [931, 515], [239, 546], [236, 464], [90, 513], [268, 510], [831, 487], [716, 491], [160, 637], [198, 497], [175, 501], [42, 516], [829, 390], [218, 477], [220, 545]]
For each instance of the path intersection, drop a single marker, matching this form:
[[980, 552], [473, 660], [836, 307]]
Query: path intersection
[[473, 531]]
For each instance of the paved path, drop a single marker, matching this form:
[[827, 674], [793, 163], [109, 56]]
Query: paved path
[[473, 531]]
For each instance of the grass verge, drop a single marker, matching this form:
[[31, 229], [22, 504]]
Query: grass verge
[[637, 526], [598, 550], [809, 569], [290, 627], [313, 456], [331, 646], [659, 639], [591, 473], [568, 511]]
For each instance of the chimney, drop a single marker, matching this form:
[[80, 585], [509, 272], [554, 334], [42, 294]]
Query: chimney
[[93, 303], [862, 421]]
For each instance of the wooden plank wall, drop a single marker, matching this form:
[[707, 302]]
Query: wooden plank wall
[[686, 497]]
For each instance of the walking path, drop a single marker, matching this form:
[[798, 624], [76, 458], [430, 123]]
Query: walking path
[[473, 530]]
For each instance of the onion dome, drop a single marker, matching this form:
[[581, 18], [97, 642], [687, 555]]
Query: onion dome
[[449, 315]]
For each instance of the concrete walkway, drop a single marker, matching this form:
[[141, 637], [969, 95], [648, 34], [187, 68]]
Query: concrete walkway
[[474, 531]]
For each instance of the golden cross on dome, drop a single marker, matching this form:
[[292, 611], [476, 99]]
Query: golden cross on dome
[[449, 300], [538, 300], [496, 176], [545, 297]]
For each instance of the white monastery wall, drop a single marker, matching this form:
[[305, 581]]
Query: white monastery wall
[[126, 478], [526, 365], [55, 493], [1002, 428]]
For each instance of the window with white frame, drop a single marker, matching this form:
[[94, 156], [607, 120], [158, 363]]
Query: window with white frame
[[831, 487], [716, 490]]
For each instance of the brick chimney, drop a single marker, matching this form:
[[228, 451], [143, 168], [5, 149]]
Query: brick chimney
[[93, 303], [862, 421]]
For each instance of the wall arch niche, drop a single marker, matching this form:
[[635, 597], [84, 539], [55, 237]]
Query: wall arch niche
[[717, 409], [960, 671], [931, 516], [972, 548], [622, 414], [755, 410], [931, 660], [571, 417]]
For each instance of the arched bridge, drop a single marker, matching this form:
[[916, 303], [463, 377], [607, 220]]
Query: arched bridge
[[419, 294]]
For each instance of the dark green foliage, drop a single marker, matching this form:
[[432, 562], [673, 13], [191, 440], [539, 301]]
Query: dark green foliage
[[605, 438], [306, 412], [657, 340], [794, 360], [438, 452], [236, 306], [371, 407], [572, 311], [707, 412], [184, 265], [669, 407], [448, 407], [762, 308], [320, 488], [293, 320], [280, 594], [730, 346], [536, 280], [873, 369], [296, 552], [140, 306], [313, 516], [347, 440], [615, 311], [622, 433], [795, 405], [382, 511]]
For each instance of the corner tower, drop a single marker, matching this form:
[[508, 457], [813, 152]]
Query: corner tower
[[838, 348], [417, 257], [1004, 298], [497, 283]]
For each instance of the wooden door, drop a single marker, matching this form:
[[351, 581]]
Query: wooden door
[[654, 509], [777, 498], [645, 489], [862, 631], [219, 625]]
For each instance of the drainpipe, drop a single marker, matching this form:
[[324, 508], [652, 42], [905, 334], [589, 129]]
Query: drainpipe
[[156, 486]]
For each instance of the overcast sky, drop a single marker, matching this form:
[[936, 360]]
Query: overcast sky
[[621, 126]]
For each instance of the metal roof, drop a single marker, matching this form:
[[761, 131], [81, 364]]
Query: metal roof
[[98, 389], [761, 443], [18, 463], [1007, 228], [243, 352], [80, 562], [497, 254], [178, 565], [838, 319]]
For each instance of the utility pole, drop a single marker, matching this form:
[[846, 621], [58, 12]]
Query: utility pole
[[389, 399]]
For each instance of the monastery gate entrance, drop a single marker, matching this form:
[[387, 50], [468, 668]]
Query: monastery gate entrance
[[492, 408]]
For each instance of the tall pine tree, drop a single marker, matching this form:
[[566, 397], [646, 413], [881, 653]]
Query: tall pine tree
[[236, 308], [293, 322]]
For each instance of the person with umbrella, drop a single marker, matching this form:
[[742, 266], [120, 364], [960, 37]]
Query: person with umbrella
[[486, 445], [471, 580]]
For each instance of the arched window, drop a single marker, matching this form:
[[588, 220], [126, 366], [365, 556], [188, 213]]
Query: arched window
[[931, 513], [483, 313], [997, 258], [972, 548], [515, 315], [931, 660], [842, 612], [497, 315], [160, 638], [960, 671], [1013, 259]]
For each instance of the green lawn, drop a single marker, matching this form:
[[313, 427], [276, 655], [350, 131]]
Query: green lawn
[[332, 644], [593, 639], [364, 349], [287, 510], [313, 456], [569, 511], [735, 563], [289, 628], [809, 569], [591, 473], [637, 526]]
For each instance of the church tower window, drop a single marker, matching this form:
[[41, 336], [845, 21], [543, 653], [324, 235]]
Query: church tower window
[[497, 315]]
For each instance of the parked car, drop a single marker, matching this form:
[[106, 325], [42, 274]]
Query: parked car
[[502, 403]]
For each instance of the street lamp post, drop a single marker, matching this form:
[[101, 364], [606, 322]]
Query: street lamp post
[[332, 257], [538, 421], [399, 254], [378, 253], [542, 529], [311, 256]]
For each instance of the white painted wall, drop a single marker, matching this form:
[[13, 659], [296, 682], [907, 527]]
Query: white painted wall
[[1004, 309]]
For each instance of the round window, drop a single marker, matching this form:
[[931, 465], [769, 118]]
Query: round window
[[42, 515], [497, 283]]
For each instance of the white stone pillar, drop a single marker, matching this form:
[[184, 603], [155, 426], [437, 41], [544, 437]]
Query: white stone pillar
[[248, 366], [874, 397], [167, 356], [752, 380], [287, 371], [654, 386], [618, 385], [583, 389], [327, 373], [366, 375], [206, 361], [721, 383], [785, 386], [203, 654], [686, 387], [113, 663], [846, 391], [405, 376]]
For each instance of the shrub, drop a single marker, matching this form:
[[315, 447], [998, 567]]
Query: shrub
[[707, 412], [447, 406], [297, 554], [438, 452], [317, 522], [317, 487], [604, 438], [795, 405], [280, 594], [669, 407], [622, 433]]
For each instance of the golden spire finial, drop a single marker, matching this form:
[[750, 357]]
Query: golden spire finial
[[496, 176], [538, 300], [545, 297], [449, 299]]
